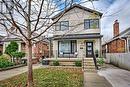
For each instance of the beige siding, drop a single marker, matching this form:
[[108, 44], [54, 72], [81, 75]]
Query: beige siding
[[76, 18]]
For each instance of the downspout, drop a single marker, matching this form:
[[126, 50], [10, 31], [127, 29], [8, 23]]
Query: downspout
[[126, 44]]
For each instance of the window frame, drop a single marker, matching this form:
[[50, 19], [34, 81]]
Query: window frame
[[70, 42], [59, 25], [89, 27]]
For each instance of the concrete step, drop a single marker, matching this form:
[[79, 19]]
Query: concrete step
[[88, 60], [90, 70], [89, 67], [88, 63]]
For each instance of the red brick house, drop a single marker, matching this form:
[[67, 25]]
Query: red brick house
[[39, 49], [120, 43]]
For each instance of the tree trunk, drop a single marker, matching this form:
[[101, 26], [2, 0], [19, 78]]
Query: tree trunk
[[29, 63]]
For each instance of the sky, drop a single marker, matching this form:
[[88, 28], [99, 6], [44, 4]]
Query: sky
[[112, 10]]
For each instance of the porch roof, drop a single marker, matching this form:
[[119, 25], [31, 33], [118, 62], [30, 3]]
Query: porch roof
[[77, 36]]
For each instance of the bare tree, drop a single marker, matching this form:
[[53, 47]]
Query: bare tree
[[29, 19]]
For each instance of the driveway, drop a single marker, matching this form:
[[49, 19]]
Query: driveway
[[16, 71], [116, 76]]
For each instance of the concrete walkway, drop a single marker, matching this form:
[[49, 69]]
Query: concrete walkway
[[116, 76], [92, 79], [16, 71]]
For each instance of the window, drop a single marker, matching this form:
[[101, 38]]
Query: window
[[3, 7], [91, 23], [63, 25], [67, 47]]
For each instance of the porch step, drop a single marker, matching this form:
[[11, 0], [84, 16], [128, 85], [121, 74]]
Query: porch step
[[88, 65], [89, 70]]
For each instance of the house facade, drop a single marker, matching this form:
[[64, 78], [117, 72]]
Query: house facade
[[77, 34], [120, 43]]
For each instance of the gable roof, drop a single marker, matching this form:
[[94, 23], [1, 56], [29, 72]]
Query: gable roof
[[81, 7], [125, 31]]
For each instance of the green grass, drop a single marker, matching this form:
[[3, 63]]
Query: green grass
[[48, 77]]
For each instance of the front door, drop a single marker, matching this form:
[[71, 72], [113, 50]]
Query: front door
[[89, 49]]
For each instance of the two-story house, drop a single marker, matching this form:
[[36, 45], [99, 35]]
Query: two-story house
[[77, 34]]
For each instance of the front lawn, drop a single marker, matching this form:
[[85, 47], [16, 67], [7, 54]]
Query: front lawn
[[48, 77]]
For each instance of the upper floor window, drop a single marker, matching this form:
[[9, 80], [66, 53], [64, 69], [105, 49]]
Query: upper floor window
[[3, 7], [91, 23], [63, 25]]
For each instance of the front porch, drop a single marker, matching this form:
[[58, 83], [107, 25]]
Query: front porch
[[88, 64], [76, 48]]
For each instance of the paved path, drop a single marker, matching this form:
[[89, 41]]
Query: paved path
[[94, 80], [116, 76], [16, 71]]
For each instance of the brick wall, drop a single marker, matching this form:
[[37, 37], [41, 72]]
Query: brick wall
[[115, 46], [41, 49], [116, 28]]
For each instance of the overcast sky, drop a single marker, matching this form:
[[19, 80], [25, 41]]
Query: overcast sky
[[112, 10]]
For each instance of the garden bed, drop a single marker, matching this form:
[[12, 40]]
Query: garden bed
[[48, 77], [12, 67]]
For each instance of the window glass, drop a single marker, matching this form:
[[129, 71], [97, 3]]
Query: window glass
[[91, 23], [64, 25], [64, 46], [86, 24], [57, 26], [67, 47]]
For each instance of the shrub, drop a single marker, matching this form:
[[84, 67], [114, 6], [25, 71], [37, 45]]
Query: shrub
[[12, 47], [100, 61], [5, 62], [56, 63], [78, 63], [6, 56]]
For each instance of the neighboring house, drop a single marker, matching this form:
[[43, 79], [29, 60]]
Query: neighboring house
[[120, 43], [77, 34], [39, 49]]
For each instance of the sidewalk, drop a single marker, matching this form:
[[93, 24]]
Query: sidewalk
[[16, 71], [92, 79]]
